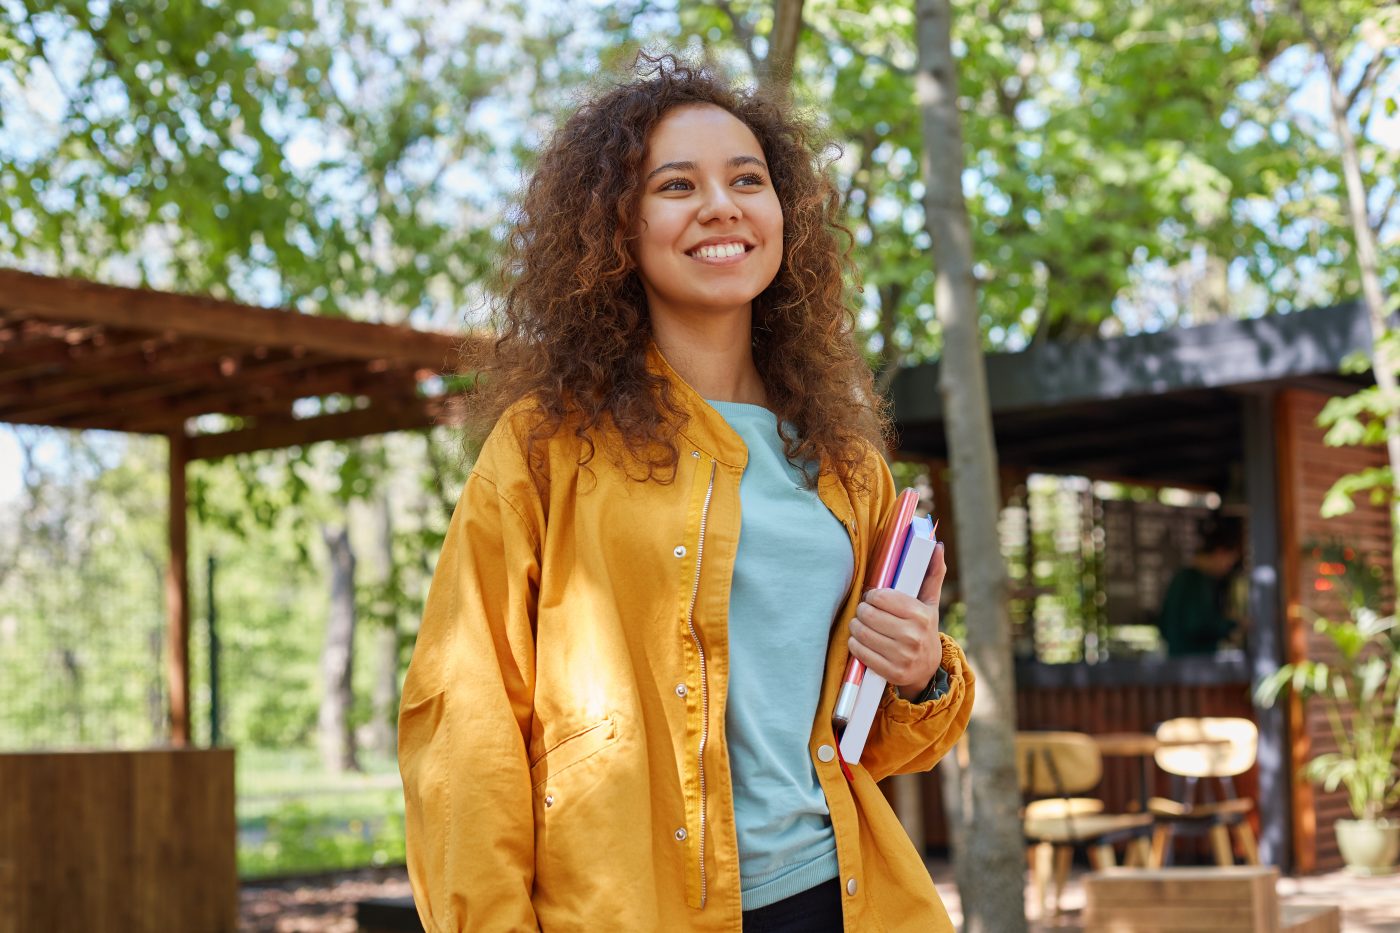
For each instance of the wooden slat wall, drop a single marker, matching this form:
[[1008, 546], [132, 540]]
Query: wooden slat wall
[[1111, 709], [124, 842], [1308, 468]]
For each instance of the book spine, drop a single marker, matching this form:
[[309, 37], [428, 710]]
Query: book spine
[[918, 553]]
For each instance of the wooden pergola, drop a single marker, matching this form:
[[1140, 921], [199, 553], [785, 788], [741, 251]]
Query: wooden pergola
[[79, 355]]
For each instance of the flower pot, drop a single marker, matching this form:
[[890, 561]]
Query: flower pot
[[1369, 847]]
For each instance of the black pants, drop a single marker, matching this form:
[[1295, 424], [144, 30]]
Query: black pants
[[815, 910]]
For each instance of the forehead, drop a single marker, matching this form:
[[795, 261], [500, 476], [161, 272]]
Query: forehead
[[699, 133]]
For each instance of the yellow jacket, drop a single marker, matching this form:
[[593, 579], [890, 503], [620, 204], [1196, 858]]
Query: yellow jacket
[[561, 735]]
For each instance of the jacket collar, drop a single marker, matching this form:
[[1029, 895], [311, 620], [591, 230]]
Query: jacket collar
[[704, 428]]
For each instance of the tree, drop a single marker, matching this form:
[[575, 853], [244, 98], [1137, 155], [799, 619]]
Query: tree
[[773, 66], [332, 158], [334, 730], [983, 799], [1336, 36]]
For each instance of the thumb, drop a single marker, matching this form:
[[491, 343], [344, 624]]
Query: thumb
[[932, 587]]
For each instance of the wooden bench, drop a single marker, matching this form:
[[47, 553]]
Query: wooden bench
[[1197, 900]]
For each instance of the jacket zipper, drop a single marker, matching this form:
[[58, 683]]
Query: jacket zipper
[[704, 677]]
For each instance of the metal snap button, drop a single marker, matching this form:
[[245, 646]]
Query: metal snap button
[[549, 800], [851, 886], [826, 753], [679, 551], [695, 454], [681, 834], [680, 690]]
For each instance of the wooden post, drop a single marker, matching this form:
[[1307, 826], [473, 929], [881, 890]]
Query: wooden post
[[1270, 538], [177, 602], [1293, 643]]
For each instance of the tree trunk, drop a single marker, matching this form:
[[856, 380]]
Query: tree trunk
[[987, 862], [891, 355], [337, 738], [776, 73], [1383, 361], [383, 727]]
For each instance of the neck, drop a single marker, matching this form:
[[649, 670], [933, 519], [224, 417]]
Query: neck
[[713, 354]]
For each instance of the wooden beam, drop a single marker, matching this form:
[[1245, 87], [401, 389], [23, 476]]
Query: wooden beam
[[57, 356], [259, 398], [71, 300], [177, 602], [1304, 811], [1223, 354], [155, 404], [122, 372], [412, 415], [1107, 439], [1266, 642]]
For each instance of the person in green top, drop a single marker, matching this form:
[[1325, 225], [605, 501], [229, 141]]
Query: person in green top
[[1194, 619]]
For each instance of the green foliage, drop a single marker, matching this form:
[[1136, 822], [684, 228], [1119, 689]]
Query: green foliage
[[1109, 149], [1365, 682], [81, 575], [295, 817], [290, 153], [295, 840]]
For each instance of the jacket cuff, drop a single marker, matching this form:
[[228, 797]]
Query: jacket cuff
[[953, 666]]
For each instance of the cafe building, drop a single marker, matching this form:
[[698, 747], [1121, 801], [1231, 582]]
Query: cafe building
[[1115, 455]]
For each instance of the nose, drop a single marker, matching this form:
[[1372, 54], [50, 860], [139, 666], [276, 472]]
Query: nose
[[719, 204]]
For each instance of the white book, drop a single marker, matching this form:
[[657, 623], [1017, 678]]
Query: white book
[[910, 578]]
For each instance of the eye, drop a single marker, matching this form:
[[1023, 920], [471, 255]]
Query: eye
[[675, 184], [750, 178]]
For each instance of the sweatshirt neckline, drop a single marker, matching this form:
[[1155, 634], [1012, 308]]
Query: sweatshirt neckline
[[741, 408]]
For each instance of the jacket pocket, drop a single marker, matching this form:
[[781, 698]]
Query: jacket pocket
[[573, 749]]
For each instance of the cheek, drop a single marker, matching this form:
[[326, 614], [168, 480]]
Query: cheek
[[655, 235], [644, 247], [772, 222], [773, 233]]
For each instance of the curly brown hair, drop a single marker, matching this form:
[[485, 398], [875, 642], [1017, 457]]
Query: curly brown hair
[[573, 331]]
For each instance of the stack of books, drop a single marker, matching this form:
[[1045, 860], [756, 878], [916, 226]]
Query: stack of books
[[901, 559]]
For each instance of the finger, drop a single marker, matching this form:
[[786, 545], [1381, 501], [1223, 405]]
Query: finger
[[895, 603], [873, 660], [888, 639], [892, 617], [932, 589]]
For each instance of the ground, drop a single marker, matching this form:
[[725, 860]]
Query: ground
[[324, 904], [327, 904]]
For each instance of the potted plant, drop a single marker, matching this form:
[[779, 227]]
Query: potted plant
[[1366, 681]]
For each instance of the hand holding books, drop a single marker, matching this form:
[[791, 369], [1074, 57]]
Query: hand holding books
[[894, 637]]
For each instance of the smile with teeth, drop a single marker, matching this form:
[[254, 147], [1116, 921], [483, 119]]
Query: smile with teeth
[[718, 251]]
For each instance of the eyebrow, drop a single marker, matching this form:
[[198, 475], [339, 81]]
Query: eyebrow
[[734, 162]]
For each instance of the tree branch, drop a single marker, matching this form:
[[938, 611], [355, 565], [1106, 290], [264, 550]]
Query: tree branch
[[867, 142], [1384, 216], [782, 47], [891, 353], [1152, 37], [1319, 42], [1368, 78], [744, 32]]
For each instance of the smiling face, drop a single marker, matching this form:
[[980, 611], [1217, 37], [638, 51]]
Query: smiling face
[[709, 232]]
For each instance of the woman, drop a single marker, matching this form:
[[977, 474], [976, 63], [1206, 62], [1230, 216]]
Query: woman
[[618, 714]]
